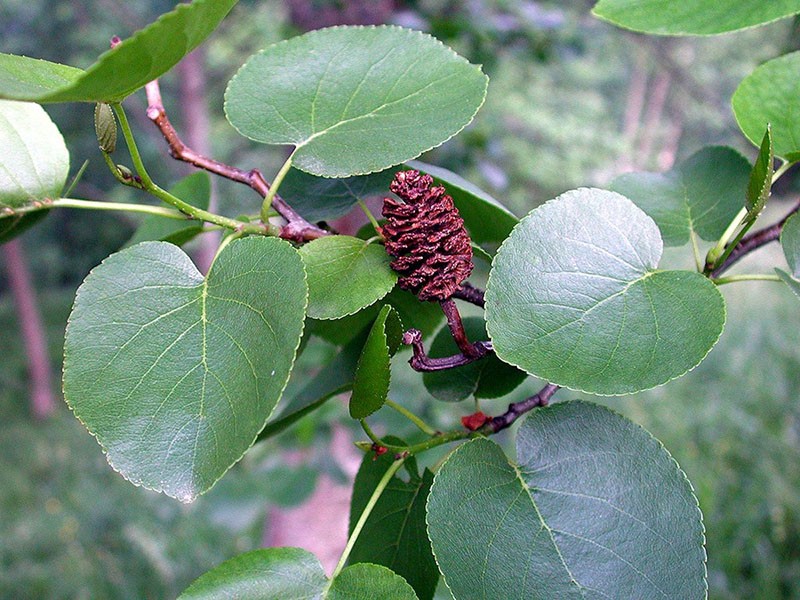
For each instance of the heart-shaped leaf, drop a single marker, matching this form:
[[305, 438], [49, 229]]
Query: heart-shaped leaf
[[294, 574], [702, 194], [194, 189], [34, 163], [485, 218], [355, 100], [323, 198], [175, 374], [486, 378], [762, 99], [699, 17], [371, 383], [395, 534], [345, 274], [790, 242], [565, 521], [574, 298], [119, 72]]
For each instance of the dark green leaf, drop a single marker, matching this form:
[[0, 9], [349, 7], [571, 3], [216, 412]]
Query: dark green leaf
[[485, 218], [566, 520], [702, 194], [194, 189], [758, 190], [486, 378], [395, 534], [323, 198], [574, 298], [366, 581], [384, 94], [11, 227], [762, 99], [698, 17], [345, 274], [371, 383], [175, 374], [145, 56]]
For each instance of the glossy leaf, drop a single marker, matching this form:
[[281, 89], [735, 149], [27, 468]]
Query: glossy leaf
[[575, 299], [762, 99], [486, 220], [194, 189], [119, 72], [758, 190], [355, 100], [293, 574], [175, 374], [699, 17], [371, 383], [323, 198], [790, 241], [395, 534], [565, 520], [345, 274], [487, 378], [702, 194]]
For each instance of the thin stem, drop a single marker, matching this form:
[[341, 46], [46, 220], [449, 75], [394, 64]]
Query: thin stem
[[297, 228], [746, 277], [420, 361], [421, 425], [373, 500], [136, 157], [785, 166], [698, 258], [371, 434], [469, 293], [95, 205], [456, 327], [715, 254], [77, 178], [273, 189], [517, 409], [370, 216]]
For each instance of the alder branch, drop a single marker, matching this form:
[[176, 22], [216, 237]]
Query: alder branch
[[296, 229], [420, 361], [469, 293], [752, 242], [517, 409]]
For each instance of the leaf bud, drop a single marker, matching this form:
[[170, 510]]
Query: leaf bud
[[105, 126]]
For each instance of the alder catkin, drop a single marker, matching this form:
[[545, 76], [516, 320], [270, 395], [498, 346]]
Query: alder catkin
[[426, 236]]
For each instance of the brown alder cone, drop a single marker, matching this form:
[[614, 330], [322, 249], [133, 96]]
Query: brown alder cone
[[426, 236]]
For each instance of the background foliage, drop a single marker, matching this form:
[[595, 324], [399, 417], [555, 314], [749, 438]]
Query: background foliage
[[557, 116]]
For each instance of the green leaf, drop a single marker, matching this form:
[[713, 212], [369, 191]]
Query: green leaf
[[345, 274], [371, 383], [703, 194], [790, 242], [699, 17], [12, 226], [792, 282], [265, 574], [323, 198], [395, 534], [355, 100], [119, 72], [176, 374], [485, 378], [194, 189], [574, 298], [486, 219], [595, 507], [294, 574], [761, 100], [758, 190]]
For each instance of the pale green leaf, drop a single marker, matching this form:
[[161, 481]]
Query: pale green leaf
[[345, 274], [486, 220], [488, 377], [764, 98], [565, 520], [371, 383], [698, 17], [790, 242], [395, 534], [175, 374], [792, 282], [323, 198], [194, 189], [355, 100], [575, 299], [118, 72], [366, 581], [702, 194]]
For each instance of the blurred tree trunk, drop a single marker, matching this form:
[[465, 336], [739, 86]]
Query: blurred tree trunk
[[196, 132], [33, 334]]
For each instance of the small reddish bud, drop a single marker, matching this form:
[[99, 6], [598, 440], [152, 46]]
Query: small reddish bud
[[378, 450], [475, 421]]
